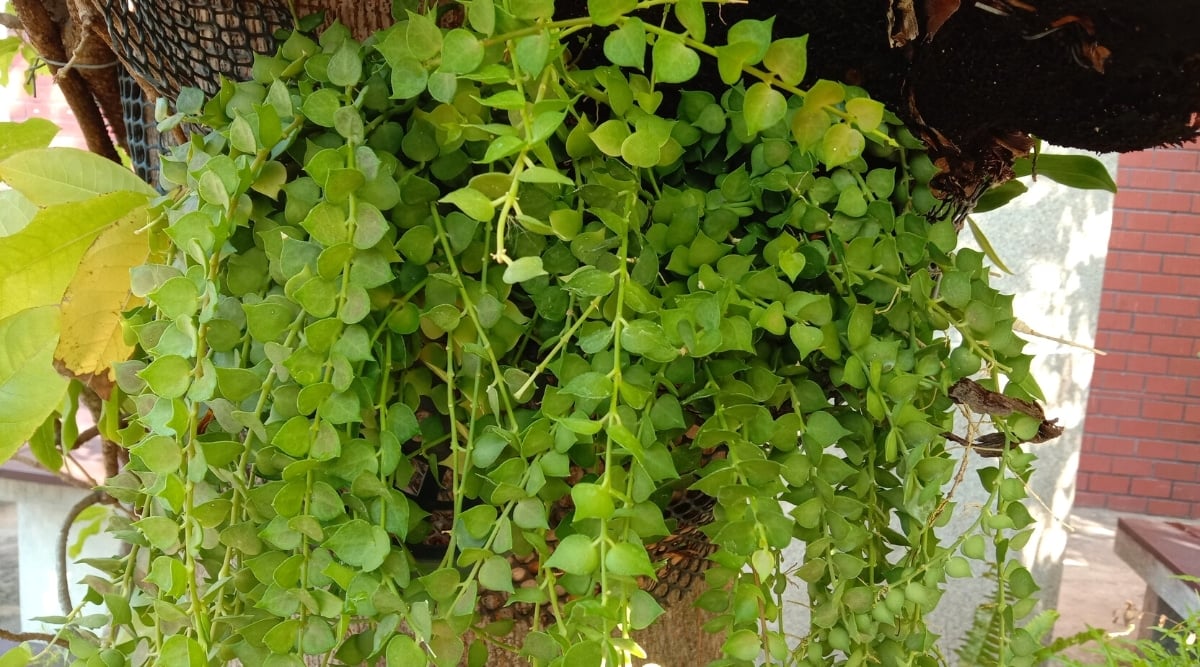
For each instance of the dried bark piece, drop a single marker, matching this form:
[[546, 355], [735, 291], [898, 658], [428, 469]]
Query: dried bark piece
[[983, 400]]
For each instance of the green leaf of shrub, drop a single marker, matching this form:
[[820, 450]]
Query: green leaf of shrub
[[28, 382], [575, 554], [764, 107], [1076, 171], [626, 46], [674, 61], [787, 59]]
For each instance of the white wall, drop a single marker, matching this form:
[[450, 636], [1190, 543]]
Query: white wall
[[41, 509]]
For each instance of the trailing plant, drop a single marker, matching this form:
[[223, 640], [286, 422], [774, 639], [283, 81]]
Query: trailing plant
[[419, 317]]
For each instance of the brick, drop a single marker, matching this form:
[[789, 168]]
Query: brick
[[1171, 202], [1146, 179], [1187, 326], [1116, 321], [1189, 285], [1132, 200], [1187, 182], [1138, 159], [1099, 423], [1168, 508], [1129, 303], [1108, 483], [1111, 445], [1169, 386], [1179, 431], [1177, 346], [1188, 266], [1087, 499], [1162, 410], [1118, 381], [1110, 362], [1121, 406], [1137, 428], [1159, 284], [1133, 466], [1188, 452], [1154, 224], [1183, 306], [1150, 364], [1184, 472], [1192, 414], [1150, 488], [1140, 262], [1129, 342], [1186, 223], [1163, 242], [1155, 449], [1174, 158], [1156, 324], [1127, 504], [1089, 462], [1121, 239], [1185, 491], [1122, 281]]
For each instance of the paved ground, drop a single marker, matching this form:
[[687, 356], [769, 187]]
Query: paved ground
[[1098, 589]]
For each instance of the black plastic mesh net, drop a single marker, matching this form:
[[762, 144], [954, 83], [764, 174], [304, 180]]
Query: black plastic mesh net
[[171, 44], [145, 141]]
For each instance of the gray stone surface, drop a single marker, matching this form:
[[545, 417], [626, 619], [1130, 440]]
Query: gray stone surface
[[10, 595]]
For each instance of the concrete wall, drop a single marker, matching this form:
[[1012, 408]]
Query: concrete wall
[[40, 509]]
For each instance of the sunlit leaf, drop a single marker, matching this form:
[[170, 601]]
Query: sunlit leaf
[[92, 336], [32, 133], [15, 212], [30, 389], [48, 176], [41, 259]]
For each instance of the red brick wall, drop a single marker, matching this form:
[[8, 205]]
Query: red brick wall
[[1141, 444]]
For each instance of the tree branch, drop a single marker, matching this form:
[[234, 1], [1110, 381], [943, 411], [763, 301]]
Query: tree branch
[[20, 637], [64, 591], [46, 37]]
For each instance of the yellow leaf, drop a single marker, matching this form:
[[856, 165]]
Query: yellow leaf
[[91, 338], [38, 262]]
